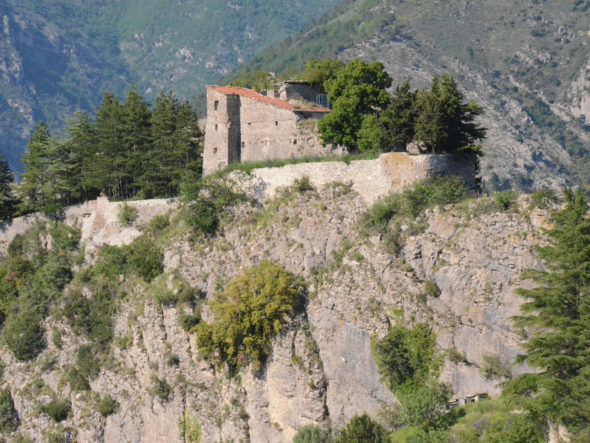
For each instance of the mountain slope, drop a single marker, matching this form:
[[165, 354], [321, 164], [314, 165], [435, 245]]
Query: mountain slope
[[527, 63], [57, 55]]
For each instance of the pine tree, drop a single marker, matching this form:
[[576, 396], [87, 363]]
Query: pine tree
[[81, 147], [110, 170], [557, 317], [444, 121], [35, 176], [136, 141], [7, 198]]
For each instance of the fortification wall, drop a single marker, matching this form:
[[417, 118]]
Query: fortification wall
[[97, 221], [371, 179]]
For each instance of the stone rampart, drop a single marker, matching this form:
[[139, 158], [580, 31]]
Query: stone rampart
[[371, 179], [98, 221]]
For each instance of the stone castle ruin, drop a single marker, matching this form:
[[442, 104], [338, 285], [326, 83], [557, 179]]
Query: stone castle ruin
[[244, 125]]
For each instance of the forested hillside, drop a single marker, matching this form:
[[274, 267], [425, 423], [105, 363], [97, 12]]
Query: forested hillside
[[58, 55], [526, 62]]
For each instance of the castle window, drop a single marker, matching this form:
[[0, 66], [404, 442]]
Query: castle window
[[243, 145], [216, 126], [294, 141], [214, 150], [216, 104], [276, 123]]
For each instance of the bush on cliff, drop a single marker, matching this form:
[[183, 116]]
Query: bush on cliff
[[252, 309]]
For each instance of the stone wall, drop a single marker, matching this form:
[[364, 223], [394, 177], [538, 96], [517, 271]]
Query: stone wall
[[371, 179], [97, 221], [244, 128]]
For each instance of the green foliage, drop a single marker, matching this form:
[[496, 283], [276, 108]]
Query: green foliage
[[107, 406], [141, 258], [357, 90], [205, 202], [9, 420], [24, 335], [302, 185], [384, 217], [127, 214], [543, 199], [497, 421], [444, 122], [251, 310], [506, 200], [58, 410], [363, 429], [313, 434], [406, 355], [431, 289], [8, 199], [493, 368], [318, 71], [557, 315], [257, 80], [161, 389], [128, 151], [190, 429]]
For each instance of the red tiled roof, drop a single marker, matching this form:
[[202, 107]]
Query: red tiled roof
[[250, 93]]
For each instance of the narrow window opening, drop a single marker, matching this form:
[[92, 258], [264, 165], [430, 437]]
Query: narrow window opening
[[216, 126], [243, 144], [294, 141], [276, 123], [214, 150], [216, 104]]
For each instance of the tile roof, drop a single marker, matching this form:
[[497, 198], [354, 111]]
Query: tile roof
[[250, 93]]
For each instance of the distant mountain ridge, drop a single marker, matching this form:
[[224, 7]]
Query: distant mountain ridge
[[526, 62], [58, 55]]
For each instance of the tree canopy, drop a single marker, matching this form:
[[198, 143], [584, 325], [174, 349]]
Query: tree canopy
[[557, 318], [128, 150]]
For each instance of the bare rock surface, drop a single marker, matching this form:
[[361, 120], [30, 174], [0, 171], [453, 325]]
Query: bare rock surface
[[321, 370]]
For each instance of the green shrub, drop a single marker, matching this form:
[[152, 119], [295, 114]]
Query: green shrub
[[127, 214], [384, 217], [313, 434], [302, 185], [506, 200], [493, 368], [431, 289], [144, 258], [422, 405], [251, 310], [9, 420], [363, 429], [24, 335], [190, 429], [107, 406], [406, 355], [88, 361], [543, 199], [161, 389], [205, 201], [57, 410], [157, 224], [76, 380], [64, 237]]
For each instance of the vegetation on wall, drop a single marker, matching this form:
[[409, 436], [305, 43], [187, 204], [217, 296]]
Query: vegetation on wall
[[249, 312]]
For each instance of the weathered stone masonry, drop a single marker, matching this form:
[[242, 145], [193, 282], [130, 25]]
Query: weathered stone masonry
[[243, 125]]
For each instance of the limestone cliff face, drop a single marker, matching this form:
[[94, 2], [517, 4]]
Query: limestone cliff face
[[321, 370]]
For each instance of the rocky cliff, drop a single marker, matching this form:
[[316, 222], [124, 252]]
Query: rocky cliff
[[321, 369]]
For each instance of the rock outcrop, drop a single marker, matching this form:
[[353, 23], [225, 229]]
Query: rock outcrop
[[321, 370]]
